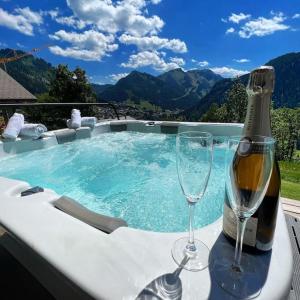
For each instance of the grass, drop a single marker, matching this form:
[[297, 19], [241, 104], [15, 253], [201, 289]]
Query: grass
[[290, 190], [290, 179]]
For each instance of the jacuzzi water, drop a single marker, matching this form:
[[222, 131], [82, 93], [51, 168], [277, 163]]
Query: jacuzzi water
[[129, 175]]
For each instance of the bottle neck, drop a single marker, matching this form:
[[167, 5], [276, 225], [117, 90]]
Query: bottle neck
[[258, 115]]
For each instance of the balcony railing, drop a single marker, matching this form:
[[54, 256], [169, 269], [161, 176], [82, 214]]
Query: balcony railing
[[12, 106]]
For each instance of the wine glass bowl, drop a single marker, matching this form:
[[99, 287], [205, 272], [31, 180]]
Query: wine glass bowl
[[249, 164], [194, 162]]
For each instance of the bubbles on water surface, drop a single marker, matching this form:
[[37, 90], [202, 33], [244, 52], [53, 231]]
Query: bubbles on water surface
[[124, 174]]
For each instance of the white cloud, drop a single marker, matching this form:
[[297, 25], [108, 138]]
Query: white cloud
[[89, 45], [154, 43], [242, 60], [155, 1], [230, 30], [152, 59], [203, 63], [237, 18], [53, 13], [228, 72], [263, 26], [71, 21], [117, 77], [178, 61], [82, 54], [2, 44], [124, 15], [20, 45], [31, 16], [123, 21], [296, 16], [22, 20]]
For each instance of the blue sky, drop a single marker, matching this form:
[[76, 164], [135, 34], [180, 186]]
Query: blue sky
[[111, 38]]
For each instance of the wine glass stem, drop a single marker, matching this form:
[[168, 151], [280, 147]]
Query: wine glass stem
[[241, 226], [191, 244]]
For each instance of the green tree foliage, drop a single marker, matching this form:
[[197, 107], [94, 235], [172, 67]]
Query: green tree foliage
[[212, 115], [236, 100], [66, 87], [69, 86], [286, 131], [285, 121], [216, 114], [233, 110]]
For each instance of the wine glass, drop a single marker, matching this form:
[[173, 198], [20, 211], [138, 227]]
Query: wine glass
[[249, 164], [194, 161]]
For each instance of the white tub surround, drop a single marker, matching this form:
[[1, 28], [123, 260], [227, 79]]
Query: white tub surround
[[52, 138], [24, 144], [121, 264]]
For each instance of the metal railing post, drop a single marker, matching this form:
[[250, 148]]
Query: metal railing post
[[115, 110]]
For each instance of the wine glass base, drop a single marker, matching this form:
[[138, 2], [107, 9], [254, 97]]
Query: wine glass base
[[242, 285], [190, 260]]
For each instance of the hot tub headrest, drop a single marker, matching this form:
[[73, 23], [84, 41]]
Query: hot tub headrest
[[115, 127], [76, 210], [169, 128], [65, 135]]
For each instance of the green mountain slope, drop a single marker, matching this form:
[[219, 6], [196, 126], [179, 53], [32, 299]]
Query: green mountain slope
[[193, 90], [287, 85], [286, 92], [173, 89], [216, 95], [136, 87], [99, 88], [33, 73]]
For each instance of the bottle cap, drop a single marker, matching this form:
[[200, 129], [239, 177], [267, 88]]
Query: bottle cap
[[261, 80]]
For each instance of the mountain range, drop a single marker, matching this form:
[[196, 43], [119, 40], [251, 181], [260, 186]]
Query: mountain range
[[175, 89], [286, 92], [195, 90], [192, 91]]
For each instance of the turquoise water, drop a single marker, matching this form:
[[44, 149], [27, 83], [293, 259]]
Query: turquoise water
[[124, 174]]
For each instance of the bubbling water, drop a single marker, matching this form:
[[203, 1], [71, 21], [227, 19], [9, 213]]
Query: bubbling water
[[129, 175]]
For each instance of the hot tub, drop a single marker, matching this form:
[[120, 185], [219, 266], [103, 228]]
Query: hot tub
[[122, 264], [127, 174]]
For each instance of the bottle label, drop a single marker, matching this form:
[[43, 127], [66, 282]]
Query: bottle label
[[230, 227]]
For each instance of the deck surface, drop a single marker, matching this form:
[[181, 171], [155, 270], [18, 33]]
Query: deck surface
[[291, 207], [293, 225]]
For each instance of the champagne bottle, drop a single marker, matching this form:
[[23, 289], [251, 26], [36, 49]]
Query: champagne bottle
[[261, 226]]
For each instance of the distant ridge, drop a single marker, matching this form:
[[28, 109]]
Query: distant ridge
[[286, 93], [173, 89], [193, 91]]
